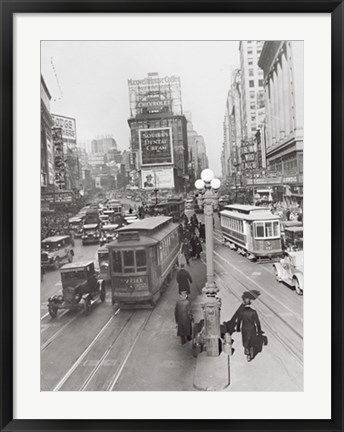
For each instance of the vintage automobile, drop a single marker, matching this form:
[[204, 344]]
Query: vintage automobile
[[91, 234], [75, 225], [81, 288], [131, 217], [55, 250], [290, 270], [108, 233], [102, 264], [293, 238], [104, 219]]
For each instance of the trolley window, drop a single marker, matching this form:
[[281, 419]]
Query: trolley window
[[141, 264], [128, 262], [260, 229], [116, 262], [276, 229], [267, 229]]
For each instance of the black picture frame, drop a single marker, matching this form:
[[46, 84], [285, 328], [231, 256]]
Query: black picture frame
[[8, 9]]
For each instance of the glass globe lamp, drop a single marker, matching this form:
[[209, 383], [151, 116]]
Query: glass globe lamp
[[207, 175], [199, 184], [215, 183]]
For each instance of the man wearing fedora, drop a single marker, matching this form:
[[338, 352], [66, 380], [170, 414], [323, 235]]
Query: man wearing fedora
[[148, 182], [183, 317]]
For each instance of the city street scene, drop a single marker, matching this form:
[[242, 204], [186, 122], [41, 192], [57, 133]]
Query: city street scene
[[172, 216]]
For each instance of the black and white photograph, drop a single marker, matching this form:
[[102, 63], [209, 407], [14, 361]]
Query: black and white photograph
[[172, 216]]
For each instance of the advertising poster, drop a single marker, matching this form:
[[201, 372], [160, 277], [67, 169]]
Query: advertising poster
[[159, 178], [68, 127], [59, 158], [156, 146]]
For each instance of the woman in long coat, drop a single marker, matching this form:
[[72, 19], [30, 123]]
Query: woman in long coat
[[249, 323], [183, 317]]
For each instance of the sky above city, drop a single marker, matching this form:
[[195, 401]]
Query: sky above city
[[88, 80]]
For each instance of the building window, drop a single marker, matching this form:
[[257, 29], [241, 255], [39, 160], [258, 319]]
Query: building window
[[253, 129], [251, 83], [260, 83], [252, 94], [251, 72], [249, 51], [252, 105]]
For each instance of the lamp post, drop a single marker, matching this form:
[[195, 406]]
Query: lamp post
[[211, 304]]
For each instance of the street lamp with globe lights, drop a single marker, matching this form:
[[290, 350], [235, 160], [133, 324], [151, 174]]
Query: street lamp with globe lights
[[208, 187]]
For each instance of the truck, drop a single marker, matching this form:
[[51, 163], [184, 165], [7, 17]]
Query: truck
[[92, 216]]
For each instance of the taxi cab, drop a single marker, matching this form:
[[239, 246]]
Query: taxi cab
[[55, 250]]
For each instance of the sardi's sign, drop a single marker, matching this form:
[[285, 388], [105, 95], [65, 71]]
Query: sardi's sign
[[156, 146], [67, 124]]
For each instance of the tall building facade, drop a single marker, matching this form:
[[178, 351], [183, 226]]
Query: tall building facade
[[103, 145], [282, 63], [158, 132], [198, 159], [47, 148], [232, 126], [252, 86]]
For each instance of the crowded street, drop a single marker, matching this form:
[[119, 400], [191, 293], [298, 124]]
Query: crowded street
[[172, 217], [114, 349]]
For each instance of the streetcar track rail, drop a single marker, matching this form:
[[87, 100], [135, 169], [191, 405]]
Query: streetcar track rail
[[117, 375], [257, 285], [105, 354], [218, 236], [62, 381], [296, 354], [59, 331]]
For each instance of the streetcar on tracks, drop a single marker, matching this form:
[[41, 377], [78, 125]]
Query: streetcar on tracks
[[142, 261], [253, 231]]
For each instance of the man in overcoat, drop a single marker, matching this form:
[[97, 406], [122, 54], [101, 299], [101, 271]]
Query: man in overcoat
[[249, 324], [183, 317], [184, 279], [186, 250]]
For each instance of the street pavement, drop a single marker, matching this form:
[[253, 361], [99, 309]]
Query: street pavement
[[115, 350]]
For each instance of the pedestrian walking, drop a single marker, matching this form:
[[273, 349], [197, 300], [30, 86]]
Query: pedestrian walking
[[186, 251], [193, 246], [202, 231], [198, 247], [183, 317], [249, 324], [184, 279]]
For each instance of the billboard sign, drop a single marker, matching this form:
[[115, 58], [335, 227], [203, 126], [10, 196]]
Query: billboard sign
[[156, 146], [59, 163], [61, 197], [157, 178], [68, 126]]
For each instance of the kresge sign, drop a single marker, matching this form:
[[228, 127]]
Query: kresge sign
[[67, 125], [156, 146]]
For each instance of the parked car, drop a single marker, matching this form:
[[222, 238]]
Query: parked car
[[81, 288], [55, 250], [290, 270]]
